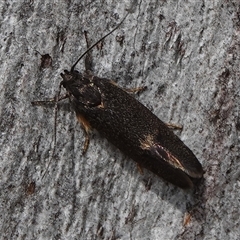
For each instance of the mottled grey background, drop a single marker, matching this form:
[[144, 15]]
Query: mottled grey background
[[185, 52]]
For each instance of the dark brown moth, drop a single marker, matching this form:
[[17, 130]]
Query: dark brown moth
[[100, 104]]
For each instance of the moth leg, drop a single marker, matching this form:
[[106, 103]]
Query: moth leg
[[42, 102], [140, 169], [174, 126], [136, 90], [86, 143], [131, 90], [54, 100], [50, 100], [87, 129]]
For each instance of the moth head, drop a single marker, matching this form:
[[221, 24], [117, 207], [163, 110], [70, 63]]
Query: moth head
[[81, 89], [70, 77]]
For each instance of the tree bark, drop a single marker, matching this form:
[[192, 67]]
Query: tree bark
[[185, 52]]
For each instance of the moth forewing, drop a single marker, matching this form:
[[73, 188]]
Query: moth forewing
[[129, 125]]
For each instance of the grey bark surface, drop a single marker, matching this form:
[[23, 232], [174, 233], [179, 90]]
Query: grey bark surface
[[185, 52]]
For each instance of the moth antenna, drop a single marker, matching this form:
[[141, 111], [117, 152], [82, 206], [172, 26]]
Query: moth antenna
[[90, 48], [57, 99]]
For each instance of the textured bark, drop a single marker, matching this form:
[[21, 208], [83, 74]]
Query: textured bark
[[185, 52]]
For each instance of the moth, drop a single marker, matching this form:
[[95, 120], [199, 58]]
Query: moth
[[102, 105]]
